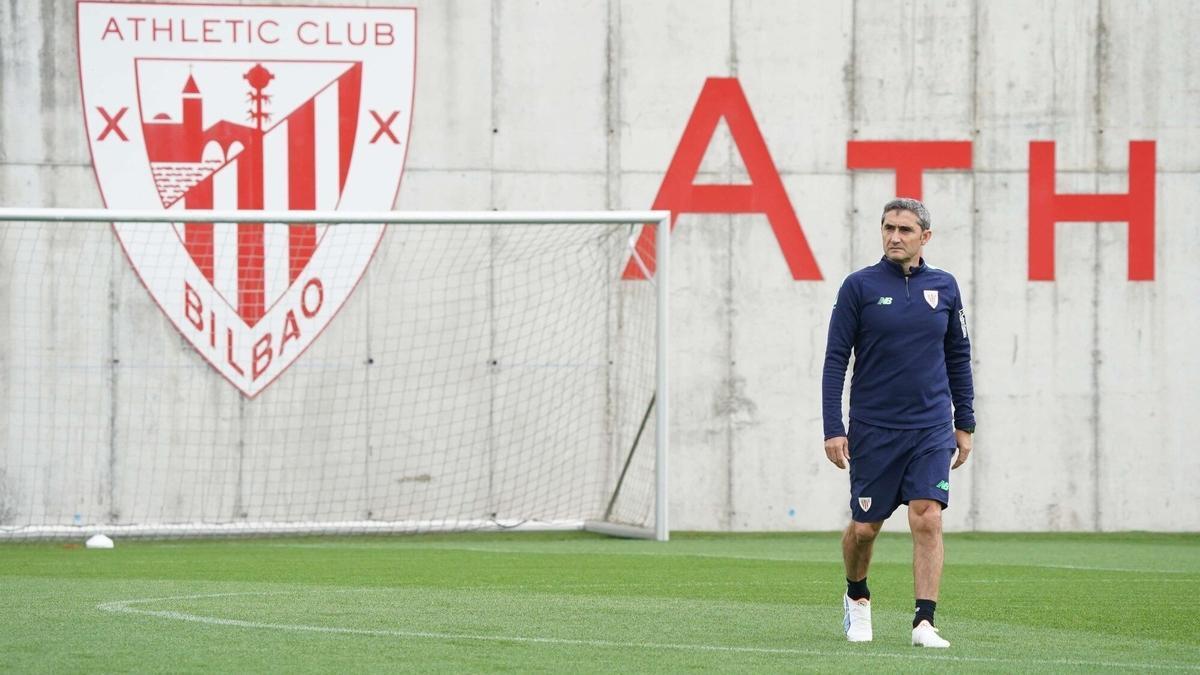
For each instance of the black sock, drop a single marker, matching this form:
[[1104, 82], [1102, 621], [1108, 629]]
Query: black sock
[[925, 609], [857, 590]]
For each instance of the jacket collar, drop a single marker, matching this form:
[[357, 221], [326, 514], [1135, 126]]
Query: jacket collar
[[895, 266]]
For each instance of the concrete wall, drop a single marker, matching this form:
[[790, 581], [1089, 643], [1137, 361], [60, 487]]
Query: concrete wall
[[1085, 384]]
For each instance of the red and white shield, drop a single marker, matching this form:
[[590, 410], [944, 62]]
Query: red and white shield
[[247, 107]]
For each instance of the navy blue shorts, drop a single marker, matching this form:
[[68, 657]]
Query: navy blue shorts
[[890, 467]]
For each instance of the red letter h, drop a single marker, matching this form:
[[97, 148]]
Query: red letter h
[[1047, 207]]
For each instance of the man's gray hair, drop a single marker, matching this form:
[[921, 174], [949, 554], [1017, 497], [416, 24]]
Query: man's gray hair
[[907, 204]]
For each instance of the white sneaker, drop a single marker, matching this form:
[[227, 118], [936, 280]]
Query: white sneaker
[[925, 635], [857, 622]]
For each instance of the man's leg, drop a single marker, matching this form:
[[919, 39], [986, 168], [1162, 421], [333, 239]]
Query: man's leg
[[925, 520], [876, 469], [857, 543], [876, 463]]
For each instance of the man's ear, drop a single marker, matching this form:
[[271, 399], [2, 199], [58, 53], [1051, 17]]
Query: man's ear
[[926, 235]]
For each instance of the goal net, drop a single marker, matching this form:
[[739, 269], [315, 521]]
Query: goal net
[[184, 375]]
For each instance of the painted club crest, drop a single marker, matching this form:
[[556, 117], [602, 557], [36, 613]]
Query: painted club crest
[[931, 297], [247, 107]]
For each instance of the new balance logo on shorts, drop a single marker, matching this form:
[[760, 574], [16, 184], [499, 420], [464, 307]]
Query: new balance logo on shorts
[[943, 485]]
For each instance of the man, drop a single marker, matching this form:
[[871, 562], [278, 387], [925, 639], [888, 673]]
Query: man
[[905, 322]]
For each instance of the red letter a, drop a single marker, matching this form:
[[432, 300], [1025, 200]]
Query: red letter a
[[723, 97]]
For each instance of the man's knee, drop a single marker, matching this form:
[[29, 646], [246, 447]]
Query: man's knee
[[864, 533], [925, 515]]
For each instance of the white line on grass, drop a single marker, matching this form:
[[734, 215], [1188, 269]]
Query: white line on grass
[[1094, 568], [691, 554], [124, 607]]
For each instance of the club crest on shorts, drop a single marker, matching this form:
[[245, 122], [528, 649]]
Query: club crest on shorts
[[247, 107], [932, 298], [864, 503]]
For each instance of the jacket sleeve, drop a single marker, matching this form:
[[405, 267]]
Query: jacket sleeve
[[958, 364], [843, 327]]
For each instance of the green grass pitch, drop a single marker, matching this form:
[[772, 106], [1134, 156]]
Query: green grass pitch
[[578, 602]]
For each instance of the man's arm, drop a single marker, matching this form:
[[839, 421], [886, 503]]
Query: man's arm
[[843, 326], [958, 369]]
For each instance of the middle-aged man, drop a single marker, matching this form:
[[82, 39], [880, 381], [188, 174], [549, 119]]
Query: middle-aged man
[[910, 408]]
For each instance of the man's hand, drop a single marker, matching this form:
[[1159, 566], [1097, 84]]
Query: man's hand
[[964, 441], [837, 449]]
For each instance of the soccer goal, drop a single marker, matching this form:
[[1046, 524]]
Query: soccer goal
[[210, 373]]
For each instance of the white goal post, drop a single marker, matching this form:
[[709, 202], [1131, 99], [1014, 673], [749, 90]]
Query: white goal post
[[476, 370]]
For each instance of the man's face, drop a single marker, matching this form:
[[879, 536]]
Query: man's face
[[903, 237]]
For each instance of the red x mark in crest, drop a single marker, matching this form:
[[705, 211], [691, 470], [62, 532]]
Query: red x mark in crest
[[112, 123], [385, 126]]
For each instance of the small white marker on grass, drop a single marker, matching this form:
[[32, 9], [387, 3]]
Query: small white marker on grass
[[99, 541]]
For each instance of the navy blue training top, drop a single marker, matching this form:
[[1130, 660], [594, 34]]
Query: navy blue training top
[[912, 356]]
